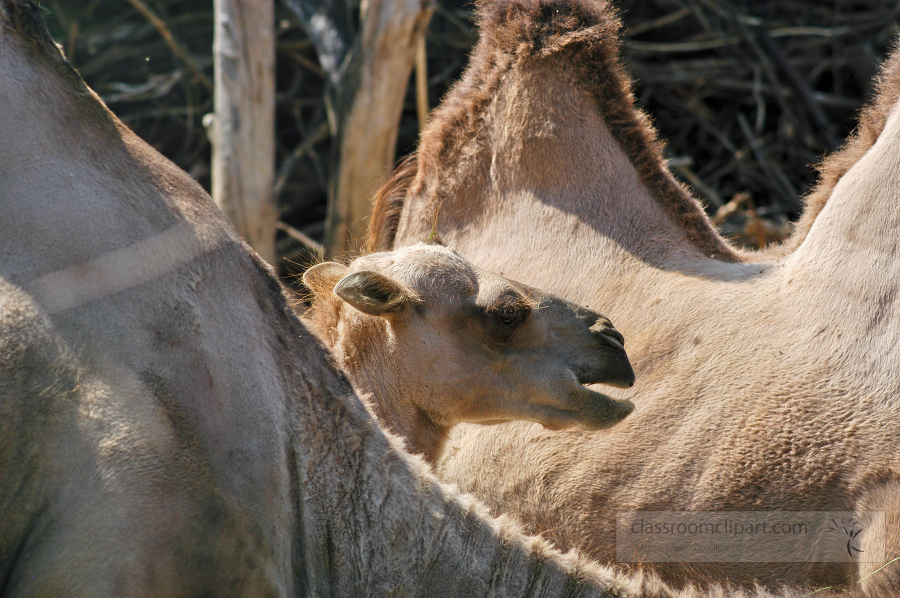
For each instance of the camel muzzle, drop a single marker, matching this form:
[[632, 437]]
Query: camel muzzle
[[616, 370]]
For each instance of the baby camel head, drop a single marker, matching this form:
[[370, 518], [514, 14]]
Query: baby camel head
[[430, 340]]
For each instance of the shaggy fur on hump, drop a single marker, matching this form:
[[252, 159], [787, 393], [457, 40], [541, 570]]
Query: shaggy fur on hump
[[387, 206], [583, 37], [871, 123]]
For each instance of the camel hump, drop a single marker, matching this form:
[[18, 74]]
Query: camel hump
[[545, 27], [872, 119], [24, 18]]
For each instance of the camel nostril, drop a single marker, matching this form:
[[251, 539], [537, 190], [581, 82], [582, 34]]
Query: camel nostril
[[609, 335], [612, 332]]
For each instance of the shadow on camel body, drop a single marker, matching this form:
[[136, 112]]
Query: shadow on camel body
[[766, 381]]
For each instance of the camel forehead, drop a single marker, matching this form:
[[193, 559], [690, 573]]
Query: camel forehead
[[424, 266]]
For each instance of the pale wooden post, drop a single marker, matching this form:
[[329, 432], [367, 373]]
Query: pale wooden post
[[369, 121], [243, 130]]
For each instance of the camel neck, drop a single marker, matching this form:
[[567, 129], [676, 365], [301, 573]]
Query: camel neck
[[389, 401]]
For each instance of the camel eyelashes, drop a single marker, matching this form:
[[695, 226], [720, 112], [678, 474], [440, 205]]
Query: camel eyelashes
[[508, 316]]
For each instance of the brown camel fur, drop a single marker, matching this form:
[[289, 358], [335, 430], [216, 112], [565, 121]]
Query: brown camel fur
[[766, 381]]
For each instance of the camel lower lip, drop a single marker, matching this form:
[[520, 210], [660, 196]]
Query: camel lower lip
[[600, 411], [594, 411]]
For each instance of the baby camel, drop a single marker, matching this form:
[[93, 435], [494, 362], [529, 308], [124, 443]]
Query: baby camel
[[429, 341]]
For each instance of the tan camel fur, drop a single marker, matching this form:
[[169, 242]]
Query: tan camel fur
[[429, 341], [168, 427], [766, 381]]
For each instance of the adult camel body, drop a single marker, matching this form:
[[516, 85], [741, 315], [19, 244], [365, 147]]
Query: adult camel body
[[766, 381], [168, 427]]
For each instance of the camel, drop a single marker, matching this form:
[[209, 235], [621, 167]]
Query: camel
[[428, 341], [168, 426], [767, 381]]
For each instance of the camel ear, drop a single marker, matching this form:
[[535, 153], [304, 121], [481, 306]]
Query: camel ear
[[373, 293], [321, 278]]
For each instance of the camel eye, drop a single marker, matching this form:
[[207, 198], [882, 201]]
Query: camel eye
[[510, 316], [503, 317]]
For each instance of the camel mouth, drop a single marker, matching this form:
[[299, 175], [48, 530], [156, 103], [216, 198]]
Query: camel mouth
[[586, 409], [620, 375], [610, 366]]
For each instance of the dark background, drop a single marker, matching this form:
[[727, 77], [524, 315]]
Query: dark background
[[749, 94]]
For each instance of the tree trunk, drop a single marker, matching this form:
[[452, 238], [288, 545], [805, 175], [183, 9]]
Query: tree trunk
[[369, 115], [243, 131]]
